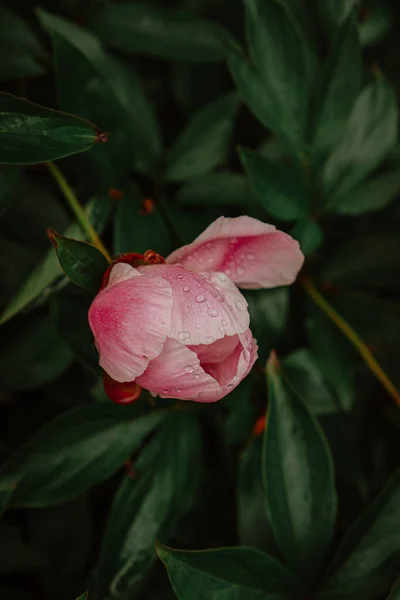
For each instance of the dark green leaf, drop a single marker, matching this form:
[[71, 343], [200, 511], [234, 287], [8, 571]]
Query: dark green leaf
[[31, 134], [305, 377], [241, 413], [5, 498], [285, 64], [80, 261], [334, 12], [203, 144], [370, 133], [98, 87], [148, 506], [33, 355], [309, 235], [373, 194], [70, 311], [145, 28], [338, 90], [269, 310], [136, 230], [83, 596], [9, 180], [367, 561], [216, 188], [46, 272], [279, 189], [76, 451], [298, 479], [375, 26], [229, 573], [395, 591], [21, 55]]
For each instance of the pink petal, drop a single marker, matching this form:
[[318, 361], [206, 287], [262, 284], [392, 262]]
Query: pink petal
[[130, 320], [206, 307], [218, 351], [253, 254]]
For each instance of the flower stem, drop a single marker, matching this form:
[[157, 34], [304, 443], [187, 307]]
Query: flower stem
[[77, 209], [353, 338]]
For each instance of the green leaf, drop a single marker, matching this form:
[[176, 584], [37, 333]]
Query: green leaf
[[304, 375], [203, 144], [370, 133], [278, 188], [338, 90], [216, 188], [269, 311], [376, 25], [83, 596], [370, 260], [241, 413], [149, 504], [32, 354], [367, 561], [229, 573], [80, 261], [47, 271], [98, 87], [285, 64], [298, 479], [76, 451], [395, 591], [70, 309], [5, 499], [137, 231], [309, 235], [146, 28], [334, 12], [10, 177], [21, 53], [374, 194], [31, 134]]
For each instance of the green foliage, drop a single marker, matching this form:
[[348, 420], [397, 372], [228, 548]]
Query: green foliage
[[166, 116]]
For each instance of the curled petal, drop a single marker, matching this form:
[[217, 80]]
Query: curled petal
[[130, 320], [253, 254], [206, 307]]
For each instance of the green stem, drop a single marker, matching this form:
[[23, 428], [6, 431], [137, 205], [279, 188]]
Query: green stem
[[77, 209], [353, 338]]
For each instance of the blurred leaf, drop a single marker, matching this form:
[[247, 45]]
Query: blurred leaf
[[334, 355], [149, 505], [375, 26], [370, 132], [213, 188], [76, 451], [231, 573], [80, 261], [83, 596], [269, 311], [203, 144], [298, 479], [395, 592], [278, 188], [136, 230], [146, 28], [31, 134], [16, 262], [44, 274], [309, 235], [253, 525], [33, 355], [338, 89], [5, 498], [10, 177], [367, 561], [369, 260], [98, 87], [374, 194], [285, 64], [70, 309], [21, 53], [334, 12], [305, 377], [241, 413], [16, 556], [188, 223]]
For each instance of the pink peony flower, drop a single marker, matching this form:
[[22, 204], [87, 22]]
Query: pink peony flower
[[181, 329]]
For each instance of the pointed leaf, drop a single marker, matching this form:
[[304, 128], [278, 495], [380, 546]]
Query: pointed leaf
[[31, 134], [309, 235], [229, 573], [203, 144], [298, 479], [373, 194]]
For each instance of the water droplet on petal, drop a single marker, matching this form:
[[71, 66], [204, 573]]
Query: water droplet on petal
[[183, 335], [228, 271], [197, 376], [188, 369], [165, 391], [241, 307], [233, 240], [221, 329], [230, 306], [212, 312], [224, 323], [180, 276], [198, 326], [222, 277], [251, 256], [209, 339], [208, 245], [187, 304], [186, 288], [200, 298], [246, 355], [240, 271]]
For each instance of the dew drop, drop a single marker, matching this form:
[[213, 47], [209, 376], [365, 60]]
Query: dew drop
[[180, 276], [229, 386], [200, 298], [222, 277], [208, 245], [233, 240], [186, 288], [198, 326], [188, 369], [228, 271], [224, 323], [209, 339], [251, 256], [197, 376], [241, 307], [230, 306], [183, 335], [165, 391], [246, 355], [221, 329], [212, 312], [187, 304], [240, 271]]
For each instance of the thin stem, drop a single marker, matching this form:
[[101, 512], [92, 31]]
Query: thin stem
[[353, 338], [77, 209]]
